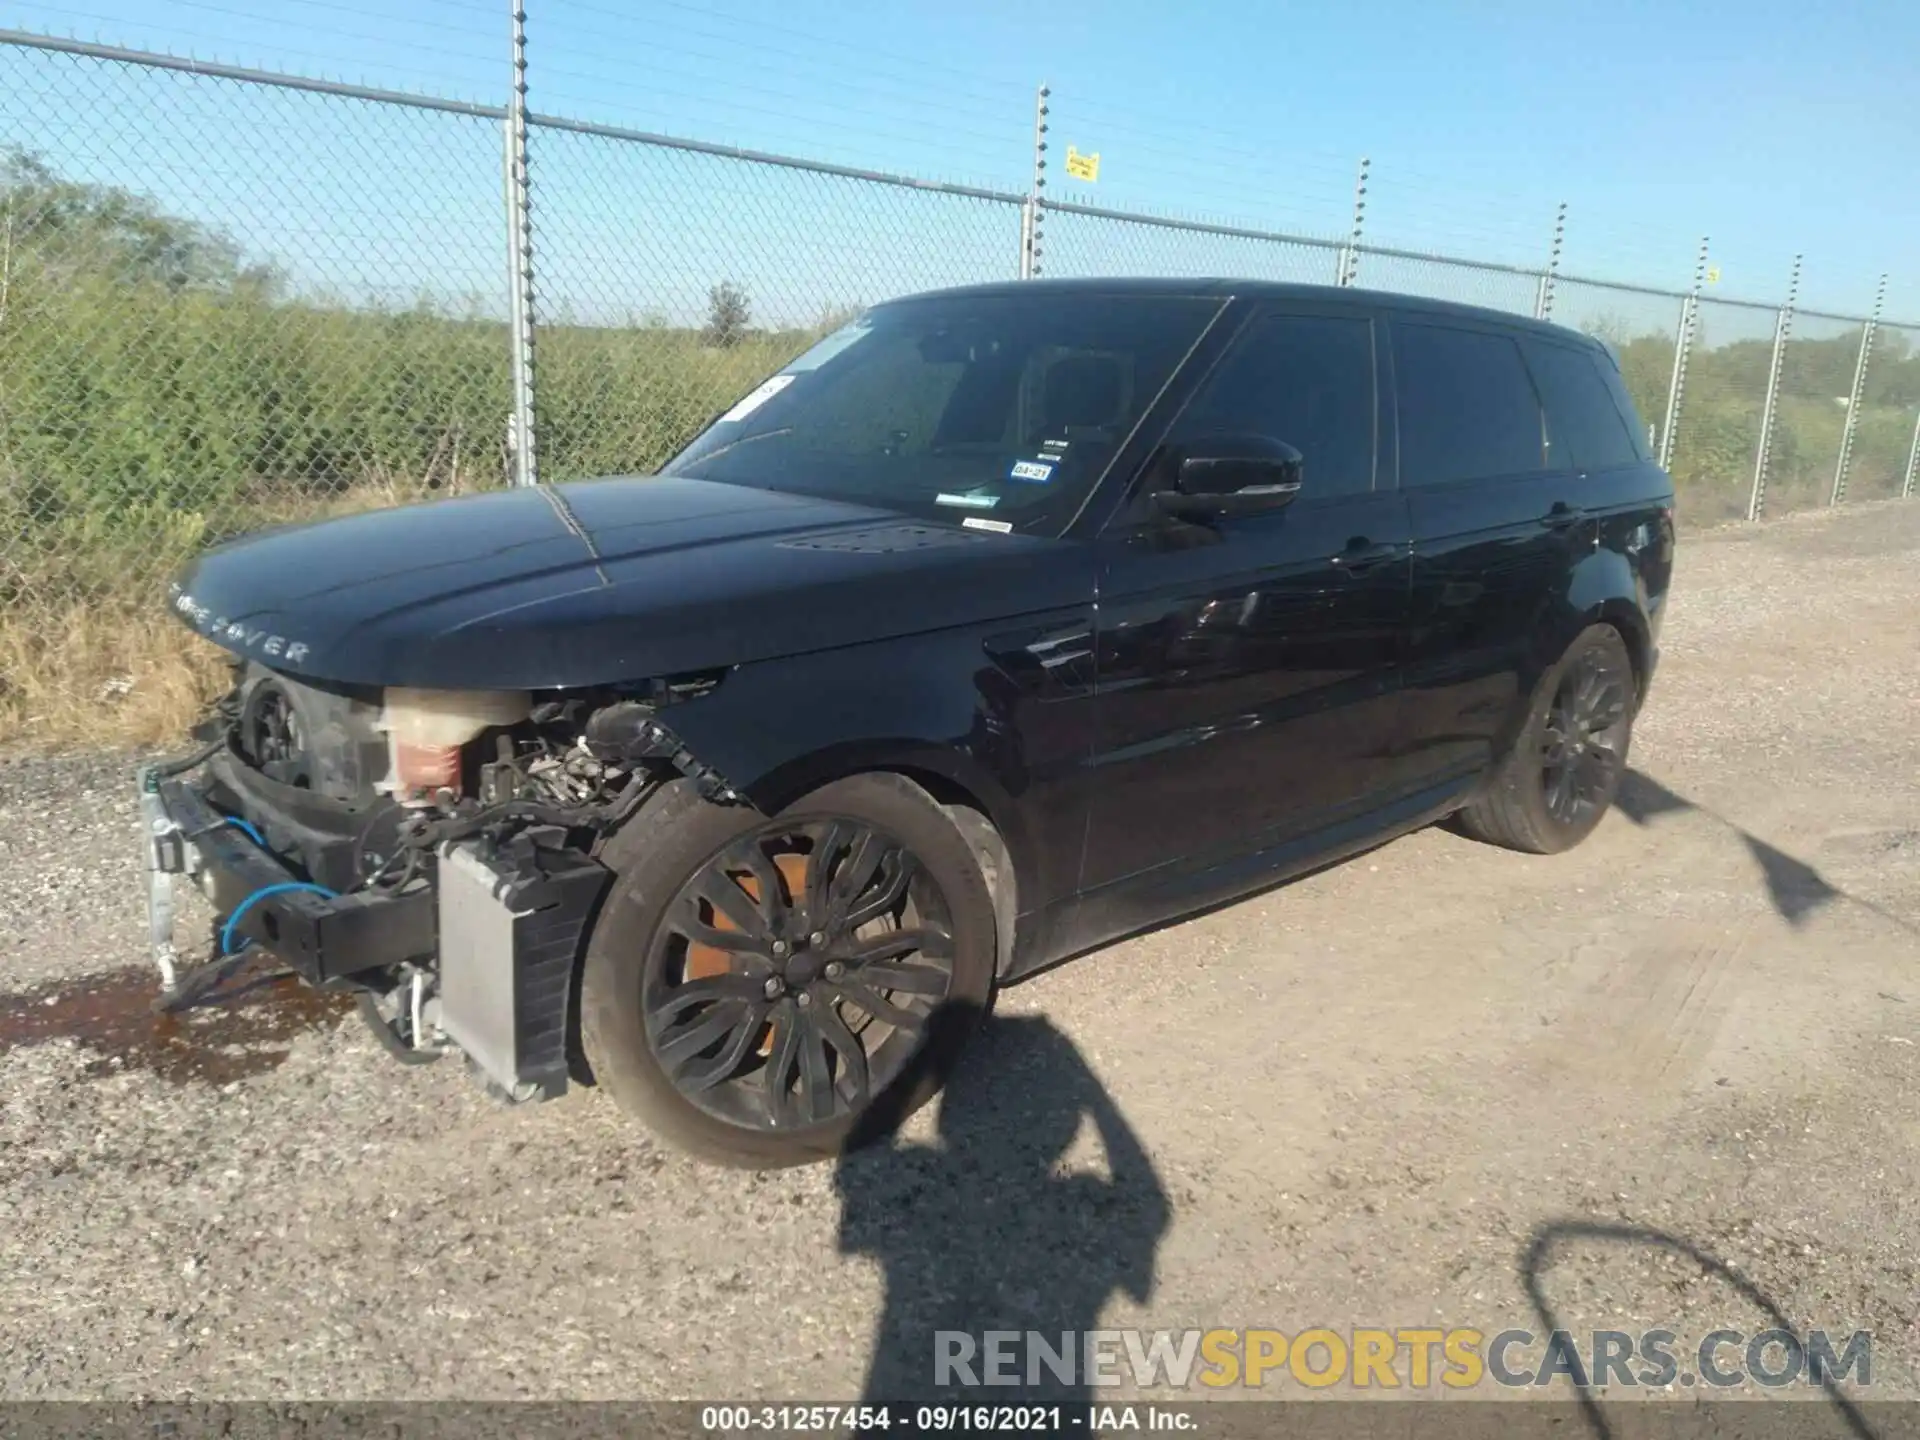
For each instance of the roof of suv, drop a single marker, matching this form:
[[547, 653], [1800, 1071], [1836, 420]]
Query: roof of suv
[[1227, 287]]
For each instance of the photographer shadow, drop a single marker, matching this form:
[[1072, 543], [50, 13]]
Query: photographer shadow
[[987, 1230]]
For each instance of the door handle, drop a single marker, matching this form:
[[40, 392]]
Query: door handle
[[1562, 515], [1362, 555]]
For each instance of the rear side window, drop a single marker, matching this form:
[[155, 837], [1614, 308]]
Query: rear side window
[[1584, 427], [1468, 410], [1306, 380], [1623, 402]]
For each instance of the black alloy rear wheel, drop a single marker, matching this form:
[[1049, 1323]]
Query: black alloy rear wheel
[[1559, 779], [766, 991]]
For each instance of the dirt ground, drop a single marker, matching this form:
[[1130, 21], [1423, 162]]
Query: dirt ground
[[1439, 1085]]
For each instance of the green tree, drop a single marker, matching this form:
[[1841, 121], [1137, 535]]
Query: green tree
[[69, 230], [728, 315]]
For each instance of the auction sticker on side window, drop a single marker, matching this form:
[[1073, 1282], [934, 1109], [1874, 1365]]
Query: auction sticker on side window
[[759, 396], [1036, 472]]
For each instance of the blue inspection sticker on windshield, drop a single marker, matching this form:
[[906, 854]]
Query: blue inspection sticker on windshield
[[1033, 472], [974, 501]]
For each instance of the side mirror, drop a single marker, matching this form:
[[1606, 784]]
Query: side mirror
[[1221, 475]]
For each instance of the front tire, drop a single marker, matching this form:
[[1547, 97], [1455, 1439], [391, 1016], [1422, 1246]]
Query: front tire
[[765, 992], [1559, 779]]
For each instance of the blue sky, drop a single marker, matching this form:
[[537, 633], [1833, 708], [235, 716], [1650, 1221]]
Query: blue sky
[[1773, 127]]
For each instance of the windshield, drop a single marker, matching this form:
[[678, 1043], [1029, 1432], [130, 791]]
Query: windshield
[[996, 412]]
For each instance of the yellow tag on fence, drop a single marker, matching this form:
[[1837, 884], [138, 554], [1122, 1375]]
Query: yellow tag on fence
[[1083, 167]]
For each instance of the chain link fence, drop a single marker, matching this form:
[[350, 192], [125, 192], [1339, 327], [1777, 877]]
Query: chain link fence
[[230, 299], [1496, 287], [1816, 380], [198, 339], [1884, 424], [671, 278], [1083, 240], [1717, 421]]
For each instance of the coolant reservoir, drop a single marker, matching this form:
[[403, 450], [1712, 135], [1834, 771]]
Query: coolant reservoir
[[426, 730]]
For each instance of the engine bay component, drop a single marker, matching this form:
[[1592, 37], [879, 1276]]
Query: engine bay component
[[428, 729], [631, 732], [322, 738], [434, 852], [511, 923]]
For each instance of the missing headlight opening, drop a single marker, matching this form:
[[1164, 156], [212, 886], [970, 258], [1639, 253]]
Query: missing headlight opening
[[433, 850]]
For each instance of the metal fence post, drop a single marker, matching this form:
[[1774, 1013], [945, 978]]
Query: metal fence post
[[1030, 211], [1782, 328], [1349, 268], [1913, 461], [1845, 462], [1683, 342], [1543, 303], [526, 468]]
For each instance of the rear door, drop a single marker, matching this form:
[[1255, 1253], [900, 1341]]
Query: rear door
[[1590, 434], [1496, 522]]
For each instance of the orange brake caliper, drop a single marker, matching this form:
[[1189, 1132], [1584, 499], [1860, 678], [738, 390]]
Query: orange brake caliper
[[704, 961]]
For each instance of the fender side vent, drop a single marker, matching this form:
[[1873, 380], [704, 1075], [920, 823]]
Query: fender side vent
[[885, 539]]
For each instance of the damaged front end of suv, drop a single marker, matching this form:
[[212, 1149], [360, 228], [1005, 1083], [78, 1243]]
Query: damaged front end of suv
[[434, 852], [609, 780]]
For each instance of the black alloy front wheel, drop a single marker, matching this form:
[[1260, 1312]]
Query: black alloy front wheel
[[762, 991]]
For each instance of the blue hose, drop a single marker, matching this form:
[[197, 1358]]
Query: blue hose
[[245, 829], [282, 888]]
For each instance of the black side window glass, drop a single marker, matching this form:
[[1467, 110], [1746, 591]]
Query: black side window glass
[[1468, 410], [1584, 428], [1306, 380]]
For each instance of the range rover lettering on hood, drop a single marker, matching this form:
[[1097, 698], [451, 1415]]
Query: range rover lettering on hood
[[246, 639]]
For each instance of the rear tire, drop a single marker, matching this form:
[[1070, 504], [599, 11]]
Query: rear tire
[[658, 934], [1559, 779]]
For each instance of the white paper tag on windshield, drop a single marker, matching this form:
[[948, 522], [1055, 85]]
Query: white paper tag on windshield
[[764, 392], [999, 527], [825, 350]]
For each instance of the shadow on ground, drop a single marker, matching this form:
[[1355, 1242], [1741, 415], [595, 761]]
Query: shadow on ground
[[986, 1229], [1795, 889], [1845, 1415]]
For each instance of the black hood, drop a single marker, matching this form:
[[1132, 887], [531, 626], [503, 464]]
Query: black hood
[[602, 582]]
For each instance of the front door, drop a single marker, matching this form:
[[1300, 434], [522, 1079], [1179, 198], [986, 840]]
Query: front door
[[1247, 666]]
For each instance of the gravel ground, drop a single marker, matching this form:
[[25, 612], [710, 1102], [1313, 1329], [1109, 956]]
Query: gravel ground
[[1391, 1094]]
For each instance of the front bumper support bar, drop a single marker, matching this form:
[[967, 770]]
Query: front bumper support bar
[[325, 939], [496, 934]]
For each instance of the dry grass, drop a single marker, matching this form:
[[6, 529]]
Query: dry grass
[[102, 676], [119, 669]]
